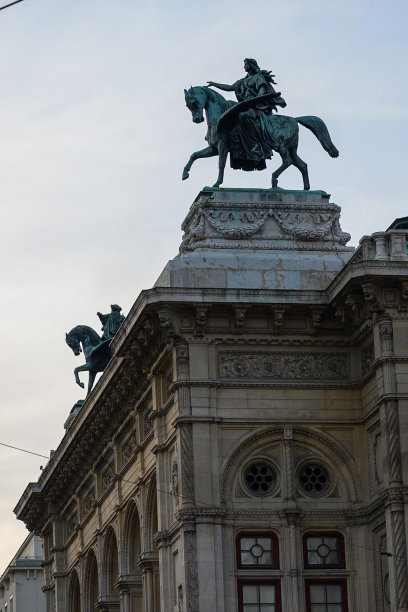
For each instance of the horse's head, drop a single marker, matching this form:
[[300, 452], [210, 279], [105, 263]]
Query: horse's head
[[196, 99], [73, 343]]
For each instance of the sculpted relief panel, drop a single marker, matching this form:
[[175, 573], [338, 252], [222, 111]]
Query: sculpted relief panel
[[286, 365]]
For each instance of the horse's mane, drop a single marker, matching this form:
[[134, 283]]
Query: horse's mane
[[225, 104], [85, 330]]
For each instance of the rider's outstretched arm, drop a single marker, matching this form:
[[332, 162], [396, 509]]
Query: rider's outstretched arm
[[221, 86]]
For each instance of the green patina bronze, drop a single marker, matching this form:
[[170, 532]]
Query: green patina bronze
[[247, 129], [96, 349]]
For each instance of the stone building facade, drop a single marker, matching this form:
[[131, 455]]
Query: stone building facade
[[21, 582], [245, 449]]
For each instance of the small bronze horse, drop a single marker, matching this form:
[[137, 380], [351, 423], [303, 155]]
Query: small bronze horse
[[97, 352]]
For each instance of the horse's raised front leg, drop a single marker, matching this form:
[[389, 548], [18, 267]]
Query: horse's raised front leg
[[82, 368], [92, 375], [207, 152], [222, 159]]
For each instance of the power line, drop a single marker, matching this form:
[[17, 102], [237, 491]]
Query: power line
[[193, 501], [11, 4], [23, 450]]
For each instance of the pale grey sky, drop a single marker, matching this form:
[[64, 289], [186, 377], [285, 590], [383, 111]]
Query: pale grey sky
[[94, 134]]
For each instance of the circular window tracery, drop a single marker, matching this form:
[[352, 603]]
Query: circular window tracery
[[314, 479], [260, 478]]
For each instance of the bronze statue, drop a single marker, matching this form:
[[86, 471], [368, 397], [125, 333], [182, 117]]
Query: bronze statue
[[96, 349], [252, 141], [248, 129], [111, 322]]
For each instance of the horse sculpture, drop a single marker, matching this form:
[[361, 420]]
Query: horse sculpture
[[220, 116], [97, 352]]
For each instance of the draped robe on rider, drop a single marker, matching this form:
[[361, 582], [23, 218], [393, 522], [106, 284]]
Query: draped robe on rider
[[251, 140]]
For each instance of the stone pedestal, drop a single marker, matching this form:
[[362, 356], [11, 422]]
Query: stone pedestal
[[259, 239]]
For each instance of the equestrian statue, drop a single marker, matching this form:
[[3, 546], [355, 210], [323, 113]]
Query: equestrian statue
[[247, 129], [96, 349]]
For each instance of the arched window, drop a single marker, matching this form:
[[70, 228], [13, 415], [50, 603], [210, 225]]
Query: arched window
[[75, 594], [134, 545], [92, 587], [111, 564]]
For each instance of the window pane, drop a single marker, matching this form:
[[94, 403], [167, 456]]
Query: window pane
[[266, 543], [268, 608], [332, 543], [267, 593], [247, 559], [318, 608], [313, 558], [250, 593], [333, 558], [335, 608], [334, 593], [266, 559], [251, 608], [317, 594], [313, 543], [247, 543]]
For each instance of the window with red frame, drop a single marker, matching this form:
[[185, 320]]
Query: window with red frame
[[326, 596], [257, 550], [259, 596], [323, 550]]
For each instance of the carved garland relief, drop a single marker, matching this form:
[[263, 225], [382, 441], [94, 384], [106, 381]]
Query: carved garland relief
[[238, 225]]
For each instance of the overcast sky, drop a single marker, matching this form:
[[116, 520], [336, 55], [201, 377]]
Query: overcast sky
[[94, 134]]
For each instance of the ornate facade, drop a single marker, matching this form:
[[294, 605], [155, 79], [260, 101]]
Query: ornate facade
[[245, 448]]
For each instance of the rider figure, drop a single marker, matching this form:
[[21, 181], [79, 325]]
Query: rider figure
[[111, 322], [251, 140]]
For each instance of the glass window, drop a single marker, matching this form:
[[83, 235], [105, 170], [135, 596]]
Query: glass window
[[257, 550], [323, 549], [259, 596], [313, 479], [260, 478], [326, 596]]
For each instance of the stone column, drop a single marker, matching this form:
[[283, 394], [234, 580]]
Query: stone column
[[147, 577], [398, 565], [182, 377], [190, 566], [125, 602]]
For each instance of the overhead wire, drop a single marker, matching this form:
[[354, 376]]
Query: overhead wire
[[10, 4], [195, 501]]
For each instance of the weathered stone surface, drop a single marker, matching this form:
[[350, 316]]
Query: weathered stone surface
[[259, 239]]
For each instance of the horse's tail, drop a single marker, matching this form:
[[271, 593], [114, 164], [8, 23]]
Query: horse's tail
[[319, 129]]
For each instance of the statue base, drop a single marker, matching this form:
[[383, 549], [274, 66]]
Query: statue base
[[259, 239]]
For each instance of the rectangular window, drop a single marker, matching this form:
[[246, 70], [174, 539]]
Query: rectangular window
[[257, 550], [323, 550], [326, 596], [259, 596]]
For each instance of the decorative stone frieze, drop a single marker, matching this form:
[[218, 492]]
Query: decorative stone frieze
[[89, 500], [284, 365], [129, 447], [222, 218], [107, 476]]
